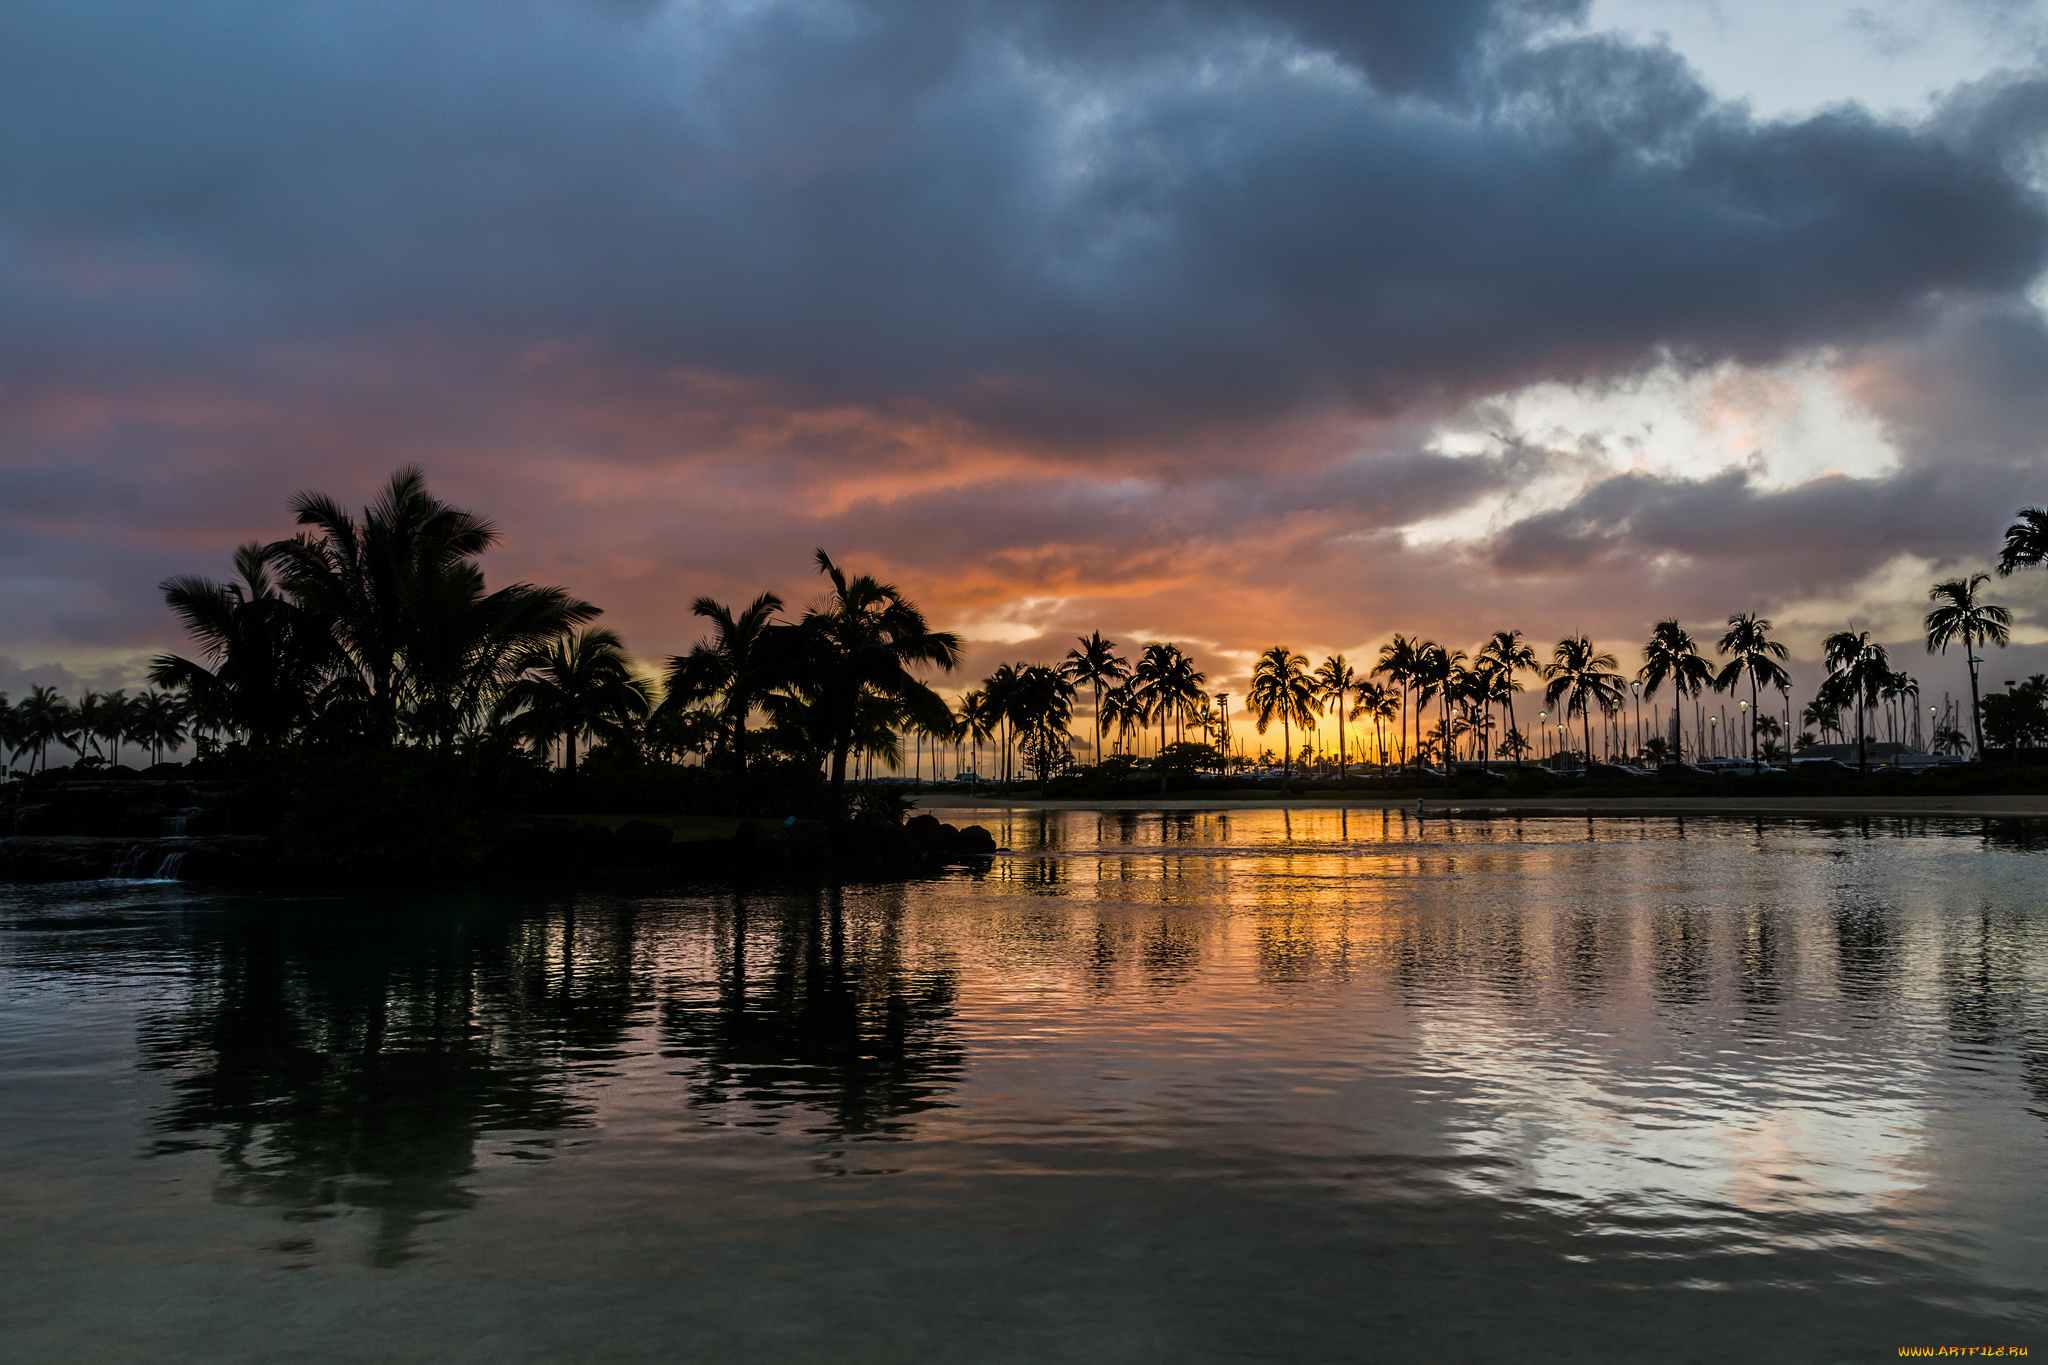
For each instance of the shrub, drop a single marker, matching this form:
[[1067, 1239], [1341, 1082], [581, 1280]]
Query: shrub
[[379, 815]]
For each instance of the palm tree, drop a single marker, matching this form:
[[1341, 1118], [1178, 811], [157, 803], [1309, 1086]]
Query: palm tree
[[1751, 653], [2026, 541], [1584, 677], [46, 717], [1096, 664], [1509, 654], [862, 640], [1440, 674], [579, 684], [977, 722], [1961, 616], [1281, 686], [1043, 705], [742, 658], [269, 663], [406, 606], [1379, 704], [1335, 681], [1858, 672], [1125, 709], [1397, 660], [1671, 656], [160, 723]]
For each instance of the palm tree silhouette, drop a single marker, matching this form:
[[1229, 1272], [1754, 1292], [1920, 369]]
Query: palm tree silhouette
[[862, 640], [1097, 665], [1671, 656], [1042, 702], [579, 684], [1583, 677], [1961, 615], [1509, 654], [1281, 686], [269, 663], [1858, 672], [1751, 653], [1335, 681], [1397, 660], [406, 606], [740, 661], [2026, 541]]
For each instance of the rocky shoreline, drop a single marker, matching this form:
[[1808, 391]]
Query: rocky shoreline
[[163, 825]]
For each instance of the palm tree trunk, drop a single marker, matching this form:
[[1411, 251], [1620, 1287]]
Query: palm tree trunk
[[1976, 716], [1286, 753], [569, 750]]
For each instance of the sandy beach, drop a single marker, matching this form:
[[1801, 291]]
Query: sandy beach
[[1905, 804]]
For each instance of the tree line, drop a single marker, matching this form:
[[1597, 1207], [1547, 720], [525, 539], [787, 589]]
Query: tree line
[[378, 629]]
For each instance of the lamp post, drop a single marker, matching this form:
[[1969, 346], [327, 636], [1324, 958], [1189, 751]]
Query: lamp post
[[1713, 737], [1636, 686], [1543, 729], [1752, 734]]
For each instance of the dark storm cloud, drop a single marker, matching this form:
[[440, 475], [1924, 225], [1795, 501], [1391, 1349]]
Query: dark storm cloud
[[1065, 220]]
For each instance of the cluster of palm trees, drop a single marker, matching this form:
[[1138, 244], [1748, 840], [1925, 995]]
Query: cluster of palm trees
[[99, 722], [379, 629]]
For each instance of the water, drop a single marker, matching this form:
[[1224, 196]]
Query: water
[[1265, 1086]]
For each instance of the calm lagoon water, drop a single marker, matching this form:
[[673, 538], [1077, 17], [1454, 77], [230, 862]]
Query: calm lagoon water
[[1197, 1086]]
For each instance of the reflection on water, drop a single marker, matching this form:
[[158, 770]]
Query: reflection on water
[[1793, 1077]]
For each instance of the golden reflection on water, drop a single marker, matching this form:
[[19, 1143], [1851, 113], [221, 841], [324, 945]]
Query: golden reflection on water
[[1678, 1038]]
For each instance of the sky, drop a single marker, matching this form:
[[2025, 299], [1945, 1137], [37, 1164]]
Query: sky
[[1227, 322]]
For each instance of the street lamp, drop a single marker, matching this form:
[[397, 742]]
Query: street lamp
[[1752, 733], [1636, 687], [1714, 736]]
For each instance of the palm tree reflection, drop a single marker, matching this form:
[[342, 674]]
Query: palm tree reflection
[[807, 1014], [354, 1063]]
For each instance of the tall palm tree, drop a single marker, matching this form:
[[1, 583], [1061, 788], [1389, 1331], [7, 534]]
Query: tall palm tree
[[1858, 671], [1584, 677], [579, 684], [1509, 654], [1096, 664], [1043, 705], [1125, 709], [47, 717], [2026, 541], [1751, 653], [1335, 681], [863, 640], [160, 722], [1671, 656], [1164, 680], [1379, 704], [977, 722], [1441, 675], [744, 656], [1396, 663], [1961, 616], [267, 661], [1282, 687], [406, 605]]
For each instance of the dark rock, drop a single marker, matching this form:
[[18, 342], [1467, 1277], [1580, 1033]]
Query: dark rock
[[975, 840], [808, 843], [644, 834]]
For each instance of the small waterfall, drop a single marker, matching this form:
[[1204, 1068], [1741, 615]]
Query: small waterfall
[[174, 825], [150, 861]]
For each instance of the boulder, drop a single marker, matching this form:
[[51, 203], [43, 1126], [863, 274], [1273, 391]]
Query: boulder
[[976, 841], [644, 835]]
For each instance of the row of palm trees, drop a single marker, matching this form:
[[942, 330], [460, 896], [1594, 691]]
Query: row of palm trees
[[1579, 679], [379, 628], [99, 722]]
